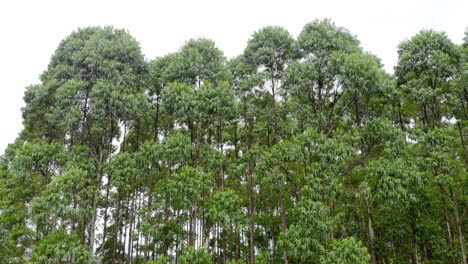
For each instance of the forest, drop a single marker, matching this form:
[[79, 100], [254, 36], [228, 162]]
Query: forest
[[299, 150]]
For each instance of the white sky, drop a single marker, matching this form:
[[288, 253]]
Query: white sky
[[31, 30]]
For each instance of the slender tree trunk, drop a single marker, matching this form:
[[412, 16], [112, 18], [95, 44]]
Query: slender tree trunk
[[458, 220], [357, 109], [125, 231], [448, 220], [237, 243], [462, 141], [275, 114], [156, 121], [149, 208], [251, 209], [104, 234], [96, 195], [130, 231], [192, 228], [224, 245], [371, 233], [283, 218], [251, 216], [117, 229], [415, 245]]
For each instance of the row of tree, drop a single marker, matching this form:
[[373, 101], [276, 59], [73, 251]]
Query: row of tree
[[297, 151]]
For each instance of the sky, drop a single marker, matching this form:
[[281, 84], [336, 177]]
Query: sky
[[31, 30]]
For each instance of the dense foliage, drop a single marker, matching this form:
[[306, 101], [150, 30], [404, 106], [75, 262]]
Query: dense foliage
[[297, 151]]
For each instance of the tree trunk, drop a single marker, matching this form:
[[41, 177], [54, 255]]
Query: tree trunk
[[371, 233], [283, 219], [458, 220], [192, 228], [117, 228], [275, 114], [104, 234], [415, 245], [251, 217], [149, 208], [95, 211], [156, 121], [251, 209], [130, 231], [448, 220]]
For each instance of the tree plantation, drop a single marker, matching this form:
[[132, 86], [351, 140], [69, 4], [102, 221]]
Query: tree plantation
[[299, 150]]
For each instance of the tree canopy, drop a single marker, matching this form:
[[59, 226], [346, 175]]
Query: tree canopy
[[299, 150]]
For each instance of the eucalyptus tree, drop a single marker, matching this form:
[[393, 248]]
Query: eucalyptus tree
[[66, 201], [199, 61], [386, 174], [427, 64], [225, 208], [459, 96], [188, 187], [163, 223], [123, 170], [215, 107], [334, 79], [85, 58], [429, 77], [159, 76], [15, 235], [276, 168], [92, 83], [154, 165], [32, 166], [270, 50], [317, 217], [244, 79], [312, 79], [442, 163]]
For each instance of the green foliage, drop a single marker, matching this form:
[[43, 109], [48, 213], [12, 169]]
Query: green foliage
[[224, 208], [188, 186], [61, 247], [270, 47], [427, 65], [296, 151], [348, 250], [194, 256]]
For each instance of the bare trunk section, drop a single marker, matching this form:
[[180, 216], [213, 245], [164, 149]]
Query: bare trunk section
[[95, 211], [283, 218], [251, 209], [458, 220], [371, 233]]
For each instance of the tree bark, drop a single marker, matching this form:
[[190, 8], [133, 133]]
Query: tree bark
[[251, 209], [371, 233], [458, 220], [283, 219], [99, 180]]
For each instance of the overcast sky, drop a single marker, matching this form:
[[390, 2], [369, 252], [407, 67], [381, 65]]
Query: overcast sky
[[31, 30]]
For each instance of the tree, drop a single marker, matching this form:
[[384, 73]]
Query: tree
[[443, 165], [426, 66], [270, 50], [334, 81]]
